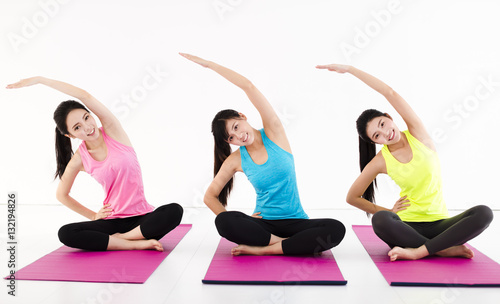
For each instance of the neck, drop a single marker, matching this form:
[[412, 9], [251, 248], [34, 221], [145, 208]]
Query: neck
[[95, 144], [400, 144], [258, 143]]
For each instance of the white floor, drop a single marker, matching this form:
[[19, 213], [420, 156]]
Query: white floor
[[178, 278]]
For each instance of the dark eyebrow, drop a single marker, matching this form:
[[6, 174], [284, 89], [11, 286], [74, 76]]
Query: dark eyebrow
[[377, 126]]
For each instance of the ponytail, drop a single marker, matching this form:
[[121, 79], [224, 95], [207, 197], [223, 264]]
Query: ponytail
[[64, 152], [222, 149], [366, 154], [221, 152], [367, 149]]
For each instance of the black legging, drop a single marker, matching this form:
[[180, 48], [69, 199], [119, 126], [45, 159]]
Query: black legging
[[304, 236], [94, 235], [437, 235]]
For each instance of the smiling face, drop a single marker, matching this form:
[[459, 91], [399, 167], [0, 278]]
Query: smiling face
[[382, 130], [81, 125], [239, 131]]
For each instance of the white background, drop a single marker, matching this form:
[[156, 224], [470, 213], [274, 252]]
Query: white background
[[437, 55]]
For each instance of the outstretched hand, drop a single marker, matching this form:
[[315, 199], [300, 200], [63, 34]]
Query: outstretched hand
[[339, 68], [401, 204], [204, 63], [23, 83]]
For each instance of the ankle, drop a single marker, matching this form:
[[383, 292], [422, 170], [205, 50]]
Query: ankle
[[421, 252]]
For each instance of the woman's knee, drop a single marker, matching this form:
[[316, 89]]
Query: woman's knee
[[382, 223], [381, 219], [336, 231], [177, 211], [173, 212], [484, 215], [225, 222], [486, 212], [66, 234]]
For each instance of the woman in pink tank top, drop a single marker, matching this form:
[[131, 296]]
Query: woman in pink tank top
[[126, 221]]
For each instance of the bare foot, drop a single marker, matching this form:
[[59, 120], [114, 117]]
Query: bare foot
[[244, 249], [134, 234], [257, 250], [149, 244], [117, 243], [398, 253], [457, 251]]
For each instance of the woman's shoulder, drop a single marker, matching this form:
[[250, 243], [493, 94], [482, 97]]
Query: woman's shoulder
[[234, 156], [116, 133], [378, 162], [76, 162], [420, 137], [234, 161], [276, 138]]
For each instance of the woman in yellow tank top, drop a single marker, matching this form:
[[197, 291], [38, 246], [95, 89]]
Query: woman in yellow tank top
[[418, 224]]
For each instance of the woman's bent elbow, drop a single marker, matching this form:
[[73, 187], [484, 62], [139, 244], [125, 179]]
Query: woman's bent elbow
[[350, 199]]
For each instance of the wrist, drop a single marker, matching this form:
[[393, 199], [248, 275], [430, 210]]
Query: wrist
[[211, 65], [40, 79]]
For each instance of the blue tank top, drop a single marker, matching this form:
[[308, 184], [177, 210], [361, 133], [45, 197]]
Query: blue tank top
[[275, 182]]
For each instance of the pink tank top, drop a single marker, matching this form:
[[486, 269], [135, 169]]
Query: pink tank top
[[120, 176]]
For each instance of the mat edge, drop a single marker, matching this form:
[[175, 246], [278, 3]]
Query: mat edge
[[331, 283]]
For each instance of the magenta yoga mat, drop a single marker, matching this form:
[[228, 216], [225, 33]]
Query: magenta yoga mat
[[272, 270], [128, 266], [480, 271]]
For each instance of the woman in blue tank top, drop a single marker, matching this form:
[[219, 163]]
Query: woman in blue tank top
[[278, 225]]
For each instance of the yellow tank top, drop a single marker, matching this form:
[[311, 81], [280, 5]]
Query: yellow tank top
[[420, 181]]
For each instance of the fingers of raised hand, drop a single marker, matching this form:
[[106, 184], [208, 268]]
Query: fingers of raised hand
[[195, 59], [186, 55], [15, 85], [333, 67], [330, 67], [22, 83]]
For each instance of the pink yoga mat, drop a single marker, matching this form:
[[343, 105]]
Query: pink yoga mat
[[480, 271], [128, 266], [272, 270]]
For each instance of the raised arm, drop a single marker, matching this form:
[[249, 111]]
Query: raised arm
[[109, 121], [269, 117], [415, 125]]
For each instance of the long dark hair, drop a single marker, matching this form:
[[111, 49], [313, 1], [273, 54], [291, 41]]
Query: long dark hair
[[222, 149], [367, 149], [64, 151]]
